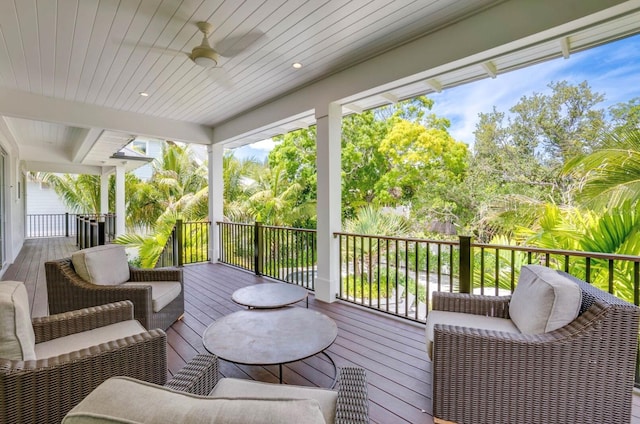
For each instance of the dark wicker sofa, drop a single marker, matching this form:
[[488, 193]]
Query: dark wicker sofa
[[580, 373], [44, 390], [67, 291]]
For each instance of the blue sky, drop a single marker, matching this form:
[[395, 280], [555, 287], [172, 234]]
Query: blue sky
[[612, 69]]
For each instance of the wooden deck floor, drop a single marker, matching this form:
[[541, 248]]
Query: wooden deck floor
[[391, 350]]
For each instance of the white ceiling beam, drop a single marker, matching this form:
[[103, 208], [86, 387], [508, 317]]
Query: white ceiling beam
[[63, 168], [490, 69], [452, 47], [564, 47], [392, 98], [10, 141], [83, 146], [20, 104], [434, 84], [353, 108]]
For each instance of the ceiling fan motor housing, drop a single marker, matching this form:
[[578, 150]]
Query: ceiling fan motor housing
[[205, 57]]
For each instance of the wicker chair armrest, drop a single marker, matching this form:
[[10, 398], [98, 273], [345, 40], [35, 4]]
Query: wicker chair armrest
[[199, 376], [48, 388], [155, 274], [353, 402], [66, 323], [492, 306]]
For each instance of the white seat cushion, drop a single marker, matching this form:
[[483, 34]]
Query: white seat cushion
[[234, 388], [162, 292], [17, 339], [126, 400], [544, 300], [86, 339], [103, 265], [465, 320]]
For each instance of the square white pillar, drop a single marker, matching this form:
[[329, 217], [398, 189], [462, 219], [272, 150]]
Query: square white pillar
[[120, 205], [104, 192], [329, 206], [215, 155]]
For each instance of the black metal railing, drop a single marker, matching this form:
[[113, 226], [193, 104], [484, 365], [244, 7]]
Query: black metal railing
[[398, 275], [283, 253], [94, 229], [69, 225], [188, 243], [50, 225]]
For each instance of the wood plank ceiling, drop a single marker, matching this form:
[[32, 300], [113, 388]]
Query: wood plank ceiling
[[104, 53]]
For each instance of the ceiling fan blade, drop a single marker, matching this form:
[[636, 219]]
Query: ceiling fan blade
[[151, 47], [232, 46], [220, 77]]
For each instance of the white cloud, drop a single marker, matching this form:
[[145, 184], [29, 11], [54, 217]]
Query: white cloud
[[266, 145]]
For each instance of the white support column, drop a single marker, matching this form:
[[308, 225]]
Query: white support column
[[120, 206], [329, 134], [216, 197], [104, 192]]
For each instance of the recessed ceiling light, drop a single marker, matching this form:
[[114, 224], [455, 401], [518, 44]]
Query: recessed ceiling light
[[297, 65], [144, 94]]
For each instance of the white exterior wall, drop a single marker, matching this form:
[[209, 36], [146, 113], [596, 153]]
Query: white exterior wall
[[42, 199]]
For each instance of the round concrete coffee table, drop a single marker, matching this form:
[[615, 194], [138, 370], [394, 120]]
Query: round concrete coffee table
[[271, 336], [270, 295]]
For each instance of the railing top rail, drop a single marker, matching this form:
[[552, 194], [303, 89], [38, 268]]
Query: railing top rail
[[299, 230], [593, 255], [240, 224], [411, 239], [272, 227]]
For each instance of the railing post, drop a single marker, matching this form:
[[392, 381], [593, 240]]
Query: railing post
[[78, 231], [101, 233], [87, 233], [180, 238], [257, 247], [466, 264], [66, 224]]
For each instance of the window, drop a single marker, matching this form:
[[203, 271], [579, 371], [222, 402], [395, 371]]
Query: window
[[139, 146]]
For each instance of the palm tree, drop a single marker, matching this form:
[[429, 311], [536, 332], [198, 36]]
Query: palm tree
[[79, 193], [273, 198], [615, 231], [610, 176], [177, 190], [238, 176]]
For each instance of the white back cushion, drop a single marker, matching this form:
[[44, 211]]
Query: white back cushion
[[543, 300], [17, 339], [103, 265]]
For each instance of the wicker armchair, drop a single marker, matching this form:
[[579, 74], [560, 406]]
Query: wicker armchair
[[200, 376], [44, 390], [580, 373], [67, 291]]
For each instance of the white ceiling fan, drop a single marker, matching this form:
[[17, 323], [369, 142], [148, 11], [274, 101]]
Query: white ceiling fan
[[207, 56], [204, 55]]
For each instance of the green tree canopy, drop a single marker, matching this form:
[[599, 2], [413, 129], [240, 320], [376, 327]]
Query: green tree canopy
[[519, 157]]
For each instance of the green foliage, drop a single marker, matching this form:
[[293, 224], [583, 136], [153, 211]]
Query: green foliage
[[626, 116], [359, 287], [616, 231], [79, 193], [517, 159], [609, 177]]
